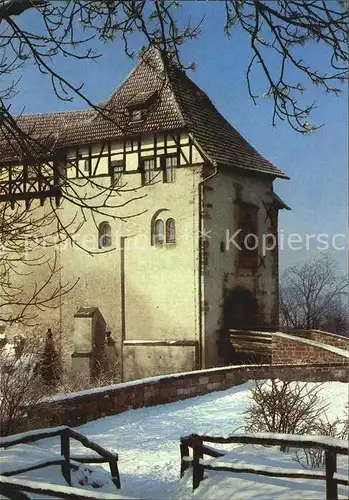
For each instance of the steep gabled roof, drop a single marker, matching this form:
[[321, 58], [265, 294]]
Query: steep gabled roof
[[173, 102], [222, 143]]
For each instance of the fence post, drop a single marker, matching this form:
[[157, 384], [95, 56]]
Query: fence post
[[65, 452], [114, 471], [184, 447], [331, 468], [198, 470], [13, 494]]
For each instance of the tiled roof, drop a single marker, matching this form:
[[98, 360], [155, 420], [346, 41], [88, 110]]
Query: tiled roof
[[141, 99], [173, 102]]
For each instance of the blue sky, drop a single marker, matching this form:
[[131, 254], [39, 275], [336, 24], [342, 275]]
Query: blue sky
[[316, 163]]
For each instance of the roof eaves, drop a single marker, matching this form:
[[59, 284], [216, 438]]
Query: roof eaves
[[273, 172], [280, 202]]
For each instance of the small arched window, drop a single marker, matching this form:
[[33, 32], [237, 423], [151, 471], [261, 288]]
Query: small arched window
[[159, 234], [170, 231], [104, 235]]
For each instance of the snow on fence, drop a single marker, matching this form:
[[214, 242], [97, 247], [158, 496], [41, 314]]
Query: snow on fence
[[66, 460], [14, 488], [332, 447]]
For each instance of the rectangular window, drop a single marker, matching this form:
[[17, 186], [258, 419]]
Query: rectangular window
[[87, 167], [169, 165], [32, 172], [148, 171], [116, 172]]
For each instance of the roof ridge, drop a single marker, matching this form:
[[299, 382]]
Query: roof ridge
[[142, 59], [54, 113]]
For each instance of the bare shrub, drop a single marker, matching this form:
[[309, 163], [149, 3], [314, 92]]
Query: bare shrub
[[29, 370], [75, 382], [344, 434], [21, 385], [314, 458], [284, 407]]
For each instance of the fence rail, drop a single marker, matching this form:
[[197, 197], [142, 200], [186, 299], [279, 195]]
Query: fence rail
[[332, 448], [14, 488], [66, 460]]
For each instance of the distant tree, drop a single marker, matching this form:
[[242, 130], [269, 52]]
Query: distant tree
[[312, 295]]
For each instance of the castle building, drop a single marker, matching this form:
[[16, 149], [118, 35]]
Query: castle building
[[175, 256]]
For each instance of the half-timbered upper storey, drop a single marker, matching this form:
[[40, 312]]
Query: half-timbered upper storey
[[156, 121]]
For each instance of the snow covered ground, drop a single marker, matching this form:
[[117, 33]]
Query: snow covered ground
[[147, 441]]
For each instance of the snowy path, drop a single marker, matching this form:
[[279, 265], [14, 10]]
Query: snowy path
[[147, 441]]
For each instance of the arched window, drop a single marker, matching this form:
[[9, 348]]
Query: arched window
[[104, 235], [159, 234], [170, 231]]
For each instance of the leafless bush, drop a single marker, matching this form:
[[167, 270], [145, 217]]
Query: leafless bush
[[345, 424], [314, 458], [284, 407], [21, 386], [29, 370], [74, 382]]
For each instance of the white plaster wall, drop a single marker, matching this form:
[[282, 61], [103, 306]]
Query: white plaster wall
[[148, 361], [160, 283]]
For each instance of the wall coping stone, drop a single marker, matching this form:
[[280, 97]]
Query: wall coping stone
[[180, 375], [337, 350]]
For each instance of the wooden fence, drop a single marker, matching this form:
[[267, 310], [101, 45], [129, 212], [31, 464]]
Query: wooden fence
[[66, 460], [331, 446], [14, 489]]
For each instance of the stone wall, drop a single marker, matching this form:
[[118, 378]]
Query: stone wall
[[78, 408], [291, 349]]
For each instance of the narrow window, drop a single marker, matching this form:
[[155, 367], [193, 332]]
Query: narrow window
[[87, 167], [104, 235], [170, 164], [170, 231], [159, 236], [148, 171], [116, 172], [248, 222]]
